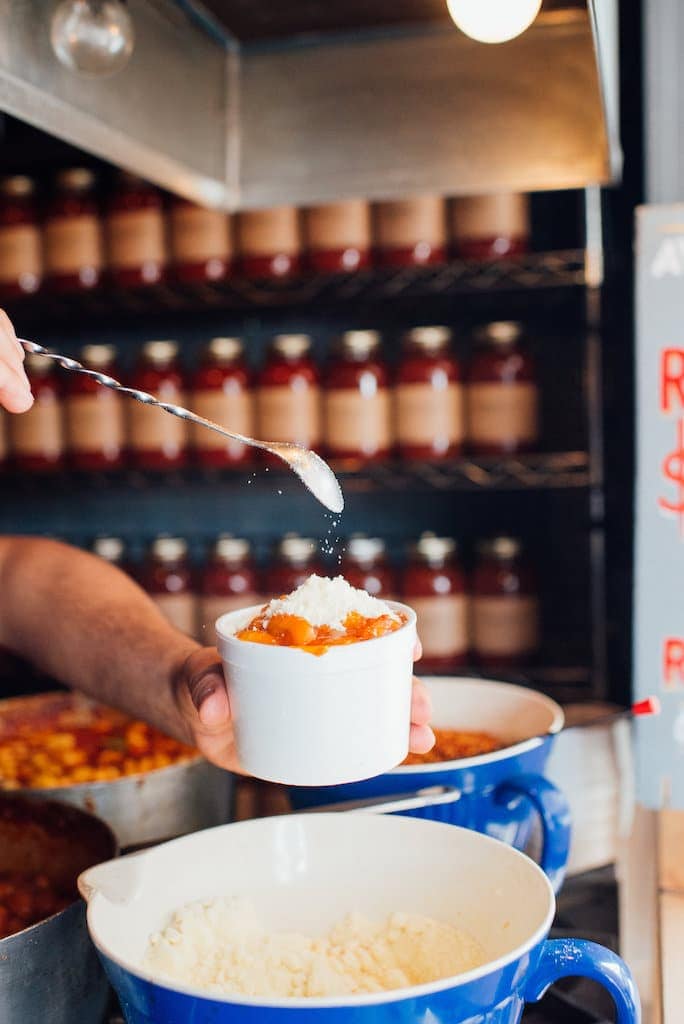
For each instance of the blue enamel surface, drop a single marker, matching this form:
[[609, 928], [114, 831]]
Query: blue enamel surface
[[497, 998], [499, 797]]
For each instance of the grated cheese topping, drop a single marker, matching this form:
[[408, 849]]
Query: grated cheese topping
[[323, 601]]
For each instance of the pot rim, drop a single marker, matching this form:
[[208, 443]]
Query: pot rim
[[370, 999], [513, 750]]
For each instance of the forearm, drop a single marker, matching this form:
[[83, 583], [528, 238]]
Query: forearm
[[88, 625]]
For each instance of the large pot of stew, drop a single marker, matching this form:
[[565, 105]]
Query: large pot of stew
[[49, 971]]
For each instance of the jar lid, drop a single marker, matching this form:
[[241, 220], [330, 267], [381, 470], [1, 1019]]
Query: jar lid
[[78, 178], [358, 344], [503, 547], [231, 549], [430, 338], [225, 350], [292, 346], [365, 549], [295, 549], [41, 366], [96, 356], [17, 185], [501, 332], [431, 548], [111, 549], [169, 549], [160, 353]]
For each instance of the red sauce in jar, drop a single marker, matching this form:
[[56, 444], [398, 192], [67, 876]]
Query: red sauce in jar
[[295, 560], [505, 606], [338, 236], [357, 400], [490, 227], [430, 412], [21, 258], [502, 393], [168, 579], [268, 242], [36, 438], [364, 565], [434, 586], [157, 439], [288, 393], [229, 581], [221, 390], [74, 256], [410, 232], [200, 242], [96, 433], [135, 233]]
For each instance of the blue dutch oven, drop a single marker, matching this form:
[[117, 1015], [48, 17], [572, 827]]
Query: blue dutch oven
[[496, 793], [307, 872]]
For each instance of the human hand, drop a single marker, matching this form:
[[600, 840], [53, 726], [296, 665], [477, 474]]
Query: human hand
[[202, 698], [15, 391]]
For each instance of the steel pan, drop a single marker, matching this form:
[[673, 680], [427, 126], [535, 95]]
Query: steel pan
[[50, 972], [145, 808]]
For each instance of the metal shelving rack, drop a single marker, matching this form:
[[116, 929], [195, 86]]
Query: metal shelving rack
[[192, 499]]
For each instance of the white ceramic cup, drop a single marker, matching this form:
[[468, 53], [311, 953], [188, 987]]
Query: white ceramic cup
[[319, 720]]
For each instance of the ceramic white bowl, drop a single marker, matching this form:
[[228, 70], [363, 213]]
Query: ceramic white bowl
[[307, 872], [308, 720]]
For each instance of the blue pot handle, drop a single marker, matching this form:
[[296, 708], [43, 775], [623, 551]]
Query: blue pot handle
[[570, 958], [554, 812]]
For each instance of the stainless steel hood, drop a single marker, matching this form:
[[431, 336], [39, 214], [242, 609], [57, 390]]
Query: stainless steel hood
[[384, 111]]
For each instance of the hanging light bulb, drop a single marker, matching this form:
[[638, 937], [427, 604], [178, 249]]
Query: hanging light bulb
[[92, 37], [493, 21]]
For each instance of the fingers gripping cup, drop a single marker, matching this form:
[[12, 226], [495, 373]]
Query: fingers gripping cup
[[321, 696]]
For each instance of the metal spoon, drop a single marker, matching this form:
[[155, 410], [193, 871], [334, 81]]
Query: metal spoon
[[309, 467]]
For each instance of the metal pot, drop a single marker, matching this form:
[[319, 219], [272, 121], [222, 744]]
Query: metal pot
[[50, 971], [146, 808]]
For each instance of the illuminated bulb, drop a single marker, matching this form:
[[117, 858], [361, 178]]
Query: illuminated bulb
[[493, 21], [92, 37]]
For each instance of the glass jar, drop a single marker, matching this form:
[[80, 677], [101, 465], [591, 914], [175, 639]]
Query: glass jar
[[268, 242], [72, 236], [200, 241], [229, 581], [357, 406], [288, 398], [490, 227], [505, 606], [167, 577], [221, 391], [434, 586], [502, 392], [430, 409], [21, 256], [338, 236], [158, 440], [112, 550], [410, 232], [135, 232], [295, 559], [36, 438], [95, 417], [364, 565]]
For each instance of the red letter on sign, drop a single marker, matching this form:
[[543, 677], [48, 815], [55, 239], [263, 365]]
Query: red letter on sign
[[671, 378], [673, 661]]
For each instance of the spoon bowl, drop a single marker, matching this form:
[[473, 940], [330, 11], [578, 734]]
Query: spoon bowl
[[315, 474]]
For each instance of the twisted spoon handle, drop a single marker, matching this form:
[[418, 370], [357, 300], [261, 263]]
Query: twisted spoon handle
[[140, 396]]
